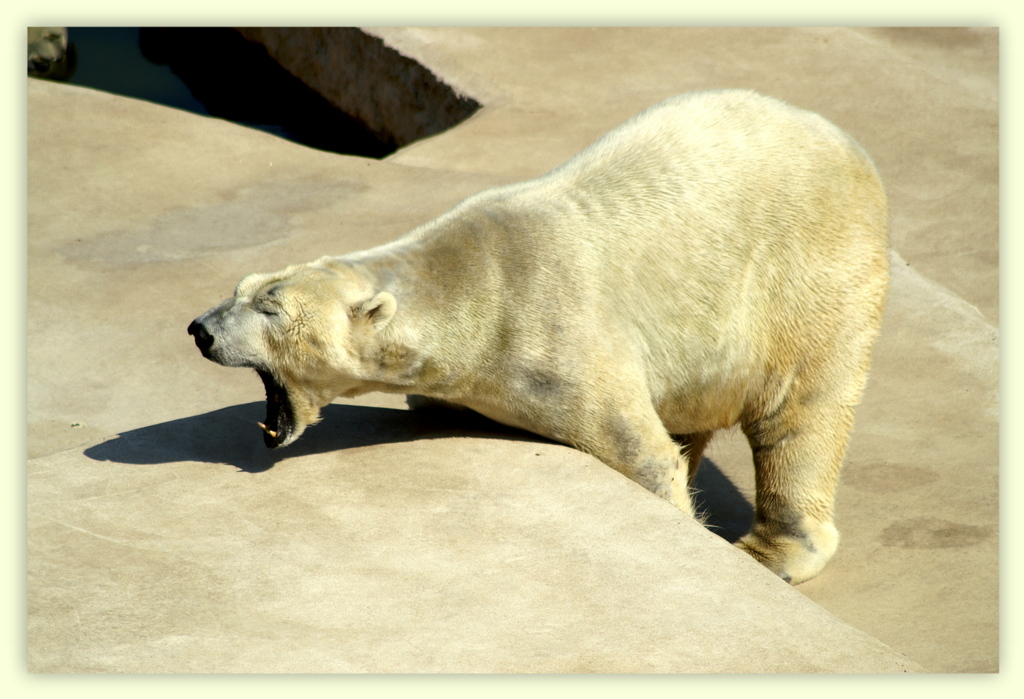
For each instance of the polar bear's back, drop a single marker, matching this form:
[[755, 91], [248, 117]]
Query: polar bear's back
[[717, 188], [732, 230], [721, 158]]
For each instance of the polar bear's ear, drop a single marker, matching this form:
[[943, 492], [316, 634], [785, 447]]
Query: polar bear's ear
[[379, 310]]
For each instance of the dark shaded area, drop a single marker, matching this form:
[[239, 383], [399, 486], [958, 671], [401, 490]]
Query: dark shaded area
[[231, 436], [216, 72], [725, 509]]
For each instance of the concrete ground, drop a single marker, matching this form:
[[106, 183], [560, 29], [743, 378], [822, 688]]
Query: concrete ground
[[163, 537]]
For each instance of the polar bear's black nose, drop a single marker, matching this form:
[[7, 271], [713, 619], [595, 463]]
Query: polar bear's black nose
[[204, 340]]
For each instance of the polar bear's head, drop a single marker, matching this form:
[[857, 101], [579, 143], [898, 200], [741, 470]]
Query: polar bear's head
[[312, 332]]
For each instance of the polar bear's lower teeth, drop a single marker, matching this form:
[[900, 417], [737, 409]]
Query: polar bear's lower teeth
[[267, 430]]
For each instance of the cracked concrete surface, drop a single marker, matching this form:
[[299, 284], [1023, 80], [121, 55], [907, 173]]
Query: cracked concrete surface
[[163, 537]]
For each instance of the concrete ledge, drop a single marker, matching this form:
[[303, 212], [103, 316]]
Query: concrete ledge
[[393, 542]]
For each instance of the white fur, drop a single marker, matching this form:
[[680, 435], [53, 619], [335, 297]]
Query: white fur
[[719, 259]]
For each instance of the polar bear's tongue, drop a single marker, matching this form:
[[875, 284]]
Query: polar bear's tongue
[[279, 412]]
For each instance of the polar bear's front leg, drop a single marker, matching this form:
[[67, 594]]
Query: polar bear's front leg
[[637, 445]]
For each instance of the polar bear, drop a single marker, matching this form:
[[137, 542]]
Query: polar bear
[[720, 259]]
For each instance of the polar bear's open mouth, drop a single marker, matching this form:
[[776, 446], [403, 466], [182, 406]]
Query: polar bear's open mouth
[[279, 421]]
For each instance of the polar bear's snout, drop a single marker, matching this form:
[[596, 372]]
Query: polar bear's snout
[[226, 335], [210, 339], [204, 340], [225, 340]]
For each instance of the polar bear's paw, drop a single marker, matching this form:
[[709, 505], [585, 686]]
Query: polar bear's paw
[[795, 556]]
